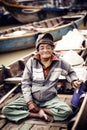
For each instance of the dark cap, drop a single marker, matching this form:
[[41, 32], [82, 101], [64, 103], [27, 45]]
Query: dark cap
[[44, 39]]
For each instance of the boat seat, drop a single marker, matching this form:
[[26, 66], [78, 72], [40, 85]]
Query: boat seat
[[13, 80], [43, 24], [55, 21], [49, 24]]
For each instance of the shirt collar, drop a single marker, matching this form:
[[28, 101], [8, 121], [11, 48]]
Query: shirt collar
[[53, 57]]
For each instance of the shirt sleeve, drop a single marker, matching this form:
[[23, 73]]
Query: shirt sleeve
[[68, 72]]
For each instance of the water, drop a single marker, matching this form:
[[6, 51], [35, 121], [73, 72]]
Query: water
[[7, 58]]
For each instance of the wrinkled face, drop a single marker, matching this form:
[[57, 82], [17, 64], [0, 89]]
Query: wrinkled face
[[45, 51]]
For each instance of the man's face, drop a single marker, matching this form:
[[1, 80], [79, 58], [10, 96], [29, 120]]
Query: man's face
[[45, 51]]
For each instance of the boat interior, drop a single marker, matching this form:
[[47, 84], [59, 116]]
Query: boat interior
[[34, 27], [10, 90]]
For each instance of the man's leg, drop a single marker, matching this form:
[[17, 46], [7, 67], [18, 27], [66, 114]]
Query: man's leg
[[16, 110], [57, 108]]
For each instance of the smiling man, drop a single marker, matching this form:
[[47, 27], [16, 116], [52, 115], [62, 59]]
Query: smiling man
[[39, 85]]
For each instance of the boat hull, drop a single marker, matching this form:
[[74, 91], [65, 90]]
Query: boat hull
[[17, 44], [27, 41], [14, 44], [25, 13]]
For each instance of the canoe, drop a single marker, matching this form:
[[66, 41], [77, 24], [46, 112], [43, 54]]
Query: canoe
[[26, 11], [10, 89], [23, 37]]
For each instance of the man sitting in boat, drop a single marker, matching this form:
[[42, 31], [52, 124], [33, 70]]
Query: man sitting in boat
[[39, 85]]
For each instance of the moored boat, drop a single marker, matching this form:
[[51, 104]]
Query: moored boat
[[10, 82], [26, 11], [6, 18], [23, 37], [22, 12]]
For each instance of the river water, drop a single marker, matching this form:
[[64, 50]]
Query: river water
[[7, 58]]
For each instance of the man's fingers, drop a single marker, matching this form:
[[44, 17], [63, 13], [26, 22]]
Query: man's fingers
[[76, 84]]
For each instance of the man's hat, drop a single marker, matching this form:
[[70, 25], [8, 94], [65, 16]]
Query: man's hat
[[44, 39]]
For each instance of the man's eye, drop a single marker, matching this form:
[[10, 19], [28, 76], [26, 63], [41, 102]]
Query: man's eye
[[41, 48], [48, 48]]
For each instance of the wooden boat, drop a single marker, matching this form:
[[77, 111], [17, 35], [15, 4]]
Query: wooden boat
[[10, 89], [23, 37], [27, 11], [22, 12], [6, 18]]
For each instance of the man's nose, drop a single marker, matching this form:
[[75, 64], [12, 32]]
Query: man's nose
[[45, 49]]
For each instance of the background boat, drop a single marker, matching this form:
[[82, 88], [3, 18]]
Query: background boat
[[22, 13], [23, 37], [29, 11], [6, 18], [79, 5]]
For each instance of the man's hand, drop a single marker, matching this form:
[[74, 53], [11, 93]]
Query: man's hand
[[33, 107], [76, 84]]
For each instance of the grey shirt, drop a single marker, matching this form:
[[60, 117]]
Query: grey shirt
[[34, 83]]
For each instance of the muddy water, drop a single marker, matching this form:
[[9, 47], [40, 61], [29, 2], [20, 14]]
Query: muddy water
[[7, 58]]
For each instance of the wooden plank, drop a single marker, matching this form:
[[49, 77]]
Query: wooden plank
[[11, 99], [81, 120], [1, 86], [66, 98], [12, 80], [26, 126], [39, 122], [63, 129], [12, 90], [2, 116], [2, 123], [40, 127], [12, 126], [54, 128]]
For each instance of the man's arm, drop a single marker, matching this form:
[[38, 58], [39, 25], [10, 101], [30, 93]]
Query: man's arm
[[71, 75]]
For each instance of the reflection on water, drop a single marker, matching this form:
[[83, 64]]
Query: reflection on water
[[7, 58]]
